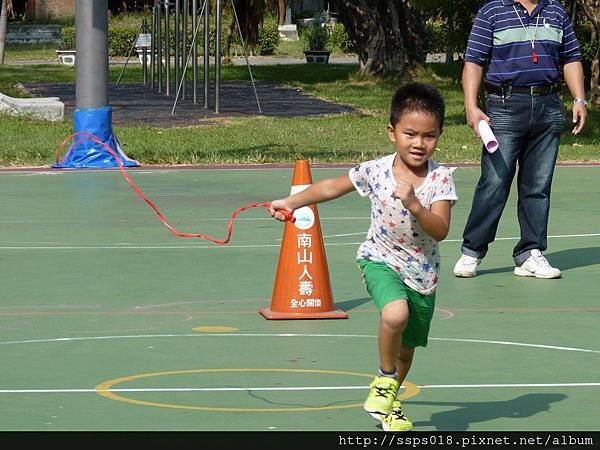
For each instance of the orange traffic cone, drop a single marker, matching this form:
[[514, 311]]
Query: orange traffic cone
[[302, 289]]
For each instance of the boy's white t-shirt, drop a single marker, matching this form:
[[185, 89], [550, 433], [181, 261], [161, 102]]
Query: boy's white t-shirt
[[395, 237]]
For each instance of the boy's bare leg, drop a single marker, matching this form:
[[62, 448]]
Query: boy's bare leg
[[404, 361], [394, 318]]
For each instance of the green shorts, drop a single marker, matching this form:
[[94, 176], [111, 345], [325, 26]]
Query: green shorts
[[384, 285]]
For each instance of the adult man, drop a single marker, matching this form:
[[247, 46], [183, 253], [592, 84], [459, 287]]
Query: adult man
[[526, 44]]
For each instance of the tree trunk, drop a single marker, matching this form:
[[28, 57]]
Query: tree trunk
[[281, 7], [277, 8], [229, 41], [592, 11], [449, 45], [388, 34], [250, 13], [3, 28], [595, 80]]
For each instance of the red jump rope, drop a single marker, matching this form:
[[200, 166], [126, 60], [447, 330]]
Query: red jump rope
[[82, 135]]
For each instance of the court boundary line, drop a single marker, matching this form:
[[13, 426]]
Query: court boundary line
[[302, 335], [249, 167], [292, 388], [187, 247]]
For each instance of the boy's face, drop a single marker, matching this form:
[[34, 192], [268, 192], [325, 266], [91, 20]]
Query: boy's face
[[415, 137]]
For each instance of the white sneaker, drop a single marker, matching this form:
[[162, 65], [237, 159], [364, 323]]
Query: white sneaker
[[537, 266], [466, 266]]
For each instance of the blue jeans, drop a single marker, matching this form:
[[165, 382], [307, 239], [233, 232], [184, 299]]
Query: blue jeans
[[528, 130]]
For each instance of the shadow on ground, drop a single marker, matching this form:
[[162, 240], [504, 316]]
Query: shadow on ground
[[564, 260], [467, 413], [349, 305]]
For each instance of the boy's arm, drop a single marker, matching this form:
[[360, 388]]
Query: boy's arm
[[435, 222], [321, 191]]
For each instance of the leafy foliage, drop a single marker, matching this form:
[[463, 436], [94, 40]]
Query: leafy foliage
[[120, 39], [314, 37], [339, 39], [268, 40]]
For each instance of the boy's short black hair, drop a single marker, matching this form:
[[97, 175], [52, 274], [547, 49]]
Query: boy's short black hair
[[417, 97]]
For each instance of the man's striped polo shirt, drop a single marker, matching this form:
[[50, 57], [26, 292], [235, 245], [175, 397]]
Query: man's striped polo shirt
[[499, 38]]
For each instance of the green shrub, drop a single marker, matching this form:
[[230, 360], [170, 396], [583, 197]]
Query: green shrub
[[589, 47], [120, 39], [314, 37], [67, 38], [268, 40], [339, 40], [435, 37]]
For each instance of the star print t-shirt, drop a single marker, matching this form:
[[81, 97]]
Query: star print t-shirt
[[395, 237]]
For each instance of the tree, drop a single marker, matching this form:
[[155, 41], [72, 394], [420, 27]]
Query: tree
[[278, 8], [250, 13], [5, 10], [456, 18], [592, 11], [388, 34]]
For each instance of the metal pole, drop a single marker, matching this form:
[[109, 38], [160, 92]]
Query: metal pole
[[167, 48], [218, 56], [153, 48], [145, 53], [187, 61], [195, 52], [177, 39], [91, 30], [186, 8], [159, 45], [129, 53], [206, 53]]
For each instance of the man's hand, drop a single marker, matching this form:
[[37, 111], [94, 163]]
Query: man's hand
[[579, 116], [474, 116]]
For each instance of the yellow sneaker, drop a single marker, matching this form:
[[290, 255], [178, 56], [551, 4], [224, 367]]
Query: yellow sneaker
[[396, 420], [381, 396]]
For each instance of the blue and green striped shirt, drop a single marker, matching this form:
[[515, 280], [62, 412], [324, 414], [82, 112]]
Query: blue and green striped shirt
[[499, 38]]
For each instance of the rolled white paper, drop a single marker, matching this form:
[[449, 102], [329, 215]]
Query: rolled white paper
[[487, 136]]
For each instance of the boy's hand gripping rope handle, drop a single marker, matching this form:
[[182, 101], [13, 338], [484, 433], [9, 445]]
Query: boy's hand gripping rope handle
[[85, 135]]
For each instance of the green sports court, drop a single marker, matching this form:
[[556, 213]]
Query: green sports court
[[109, 322]]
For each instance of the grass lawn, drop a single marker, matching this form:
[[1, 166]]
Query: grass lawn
[[343, 138], [31, 52]]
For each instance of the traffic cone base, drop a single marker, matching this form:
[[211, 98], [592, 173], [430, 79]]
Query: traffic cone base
[[274, 315], [302, 289]]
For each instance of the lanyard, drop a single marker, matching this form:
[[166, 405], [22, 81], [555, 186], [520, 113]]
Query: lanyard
[[534, 55]]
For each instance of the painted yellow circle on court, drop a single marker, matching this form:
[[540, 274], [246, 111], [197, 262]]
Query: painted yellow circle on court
[[215, 329], [104, 389]]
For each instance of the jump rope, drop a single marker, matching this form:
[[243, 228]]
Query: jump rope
[[83, 135]]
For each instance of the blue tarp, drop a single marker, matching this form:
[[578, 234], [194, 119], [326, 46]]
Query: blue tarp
[[86, 153]]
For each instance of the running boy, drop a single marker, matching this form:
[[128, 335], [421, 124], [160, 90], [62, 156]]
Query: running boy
[[411, 197]]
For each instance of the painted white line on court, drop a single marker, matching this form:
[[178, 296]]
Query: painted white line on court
[[195, 247], [291, 388], [135, 247], [166, 170], [558, 236], [283, 335], [141, 221]]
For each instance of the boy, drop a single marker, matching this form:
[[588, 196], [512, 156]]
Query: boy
[[411, 197]]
